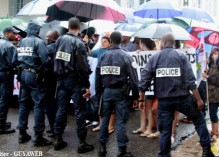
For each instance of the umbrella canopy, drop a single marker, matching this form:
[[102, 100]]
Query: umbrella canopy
[[196, 14], [9, 22], [174, 21], [130, 18], [35, 8], [106, 26], [157, 9], [211, 36], [158, 30], [127, 29], [54, 25], [87, 9]]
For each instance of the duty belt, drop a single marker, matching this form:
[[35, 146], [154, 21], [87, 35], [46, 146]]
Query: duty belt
[[30, 70]]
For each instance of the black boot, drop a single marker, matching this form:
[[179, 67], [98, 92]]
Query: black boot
[[102, 150], [5, 128], [23, 136], [59, 143], [39, 140], [84, 147], [123, 153], [207, 152]]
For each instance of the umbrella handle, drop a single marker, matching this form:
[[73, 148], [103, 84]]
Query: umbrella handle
[[89, 18]]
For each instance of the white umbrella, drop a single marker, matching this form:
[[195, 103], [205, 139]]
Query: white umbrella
[[157, 30], [36, 8]]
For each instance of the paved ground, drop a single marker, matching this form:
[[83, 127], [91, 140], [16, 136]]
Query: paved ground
[[139, 146]]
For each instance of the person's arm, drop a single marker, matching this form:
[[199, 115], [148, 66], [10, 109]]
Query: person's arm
[[199, 101], [147, 75], [11, 56], [213, 79], [43, 53], [133, 78], [94, 53], [98, 80], [82, 65]]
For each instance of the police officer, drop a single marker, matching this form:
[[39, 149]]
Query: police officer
[[174, 78], [33, 60], [50, 81], [7, 52], [114, 71], [72, 70]]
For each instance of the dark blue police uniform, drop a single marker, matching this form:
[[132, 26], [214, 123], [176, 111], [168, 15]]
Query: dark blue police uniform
[[72, 71], [114, 74], [33, 60], [173, 77], [7, 53]]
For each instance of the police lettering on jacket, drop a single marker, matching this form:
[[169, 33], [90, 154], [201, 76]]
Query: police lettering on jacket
[[25, 51], [114, 70]]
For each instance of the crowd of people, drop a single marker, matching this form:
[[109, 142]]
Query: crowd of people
[[52, 74]]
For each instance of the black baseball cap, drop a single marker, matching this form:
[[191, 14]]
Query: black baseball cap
[[10, 29]]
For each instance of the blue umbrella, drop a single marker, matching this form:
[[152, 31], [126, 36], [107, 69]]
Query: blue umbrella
[[196, 14], [157, 9]]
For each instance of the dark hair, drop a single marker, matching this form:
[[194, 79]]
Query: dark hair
[[74, 23], [107, 38], [116, 37], [150, 44], [211, 61]]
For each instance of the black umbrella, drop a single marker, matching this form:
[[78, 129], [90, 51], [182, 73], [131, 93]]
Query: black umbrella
[[54, 25]]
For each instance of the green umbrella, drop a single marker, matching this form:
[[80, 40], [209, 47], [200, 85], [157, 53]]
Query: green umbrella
[[174, 21], [9, 22]]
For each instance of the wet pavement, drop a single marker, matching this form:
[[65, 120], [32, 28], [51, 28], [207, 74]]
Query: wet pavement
[[139, 146]]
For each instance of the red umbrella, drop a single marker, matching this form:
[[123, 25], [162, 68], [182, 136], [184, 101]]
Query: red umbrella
[[211, 36], [86, 10]]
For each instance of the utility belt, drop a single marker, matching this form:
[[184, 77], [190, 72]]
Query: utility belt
[[115, 86], [30, 70]]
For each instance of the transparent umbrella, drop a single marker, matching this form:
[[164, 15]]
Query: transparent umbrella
[[157, 30]]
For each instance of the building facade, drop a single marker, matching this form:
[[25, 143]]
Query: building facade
[[9, 8]]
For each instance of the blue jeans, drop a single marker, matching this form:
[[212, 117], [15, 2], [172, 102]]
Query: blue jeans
[[166, 111], [114, 99], [6, 92], [68, 89], [213, 109], [32, 89]]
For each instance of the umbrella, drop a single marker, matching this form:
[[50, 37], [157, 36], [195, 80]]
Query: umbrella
[[211, 36], [54, 25], [87, 10], [9, 22], [158, 30], [127, 29], [106, 26], [130, 18], [157, 9], [35, 8], [196, 14], [175, 21]]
